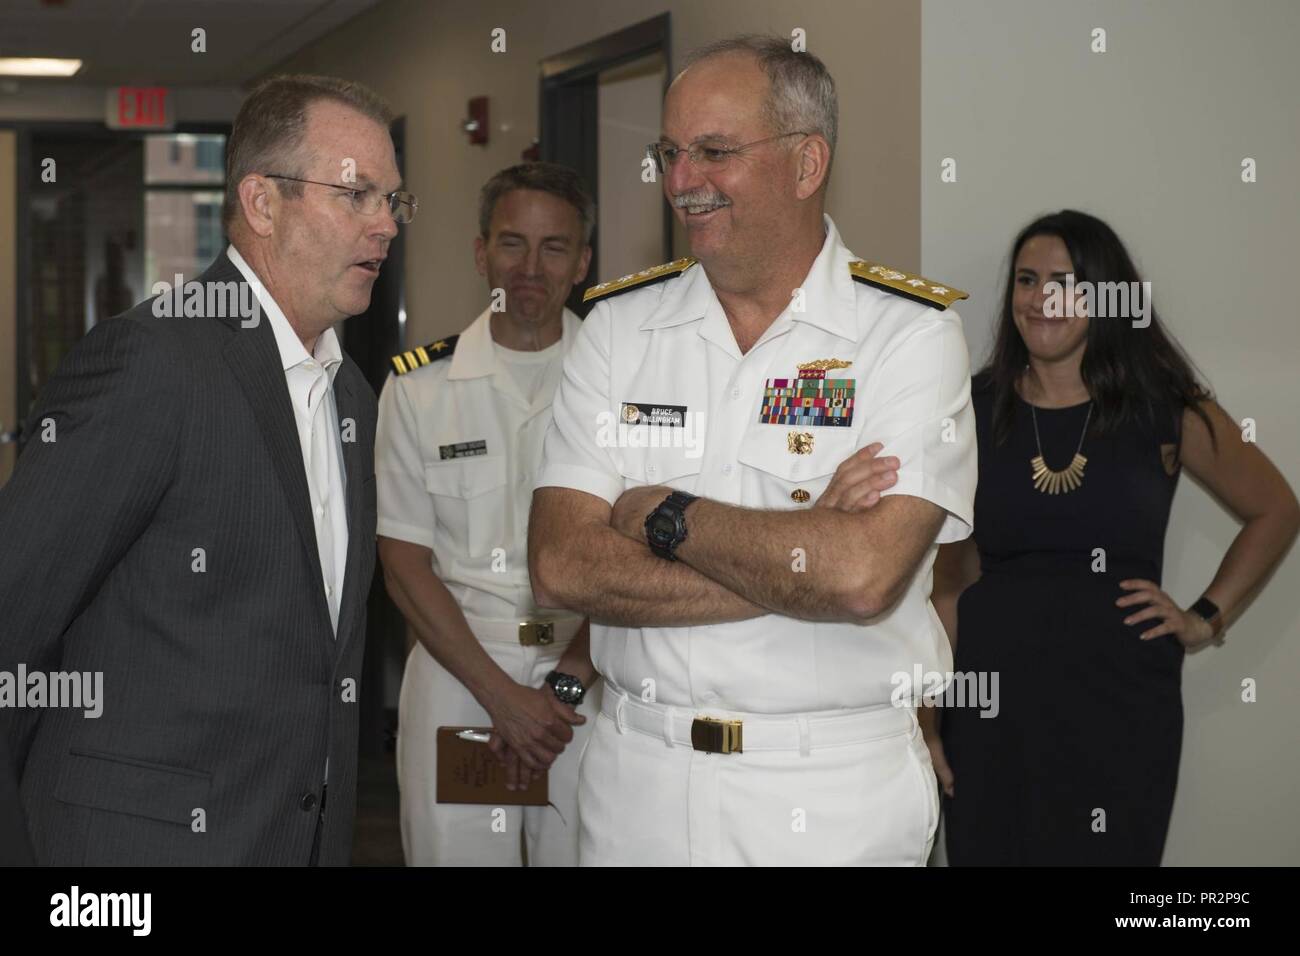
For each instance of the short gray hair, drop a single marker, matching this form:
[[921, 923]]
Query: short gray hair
[[559, 181], [271, 123], [801, 91]]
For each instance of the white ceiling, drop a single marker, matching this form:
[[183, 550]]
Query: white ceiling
[[147, 42]]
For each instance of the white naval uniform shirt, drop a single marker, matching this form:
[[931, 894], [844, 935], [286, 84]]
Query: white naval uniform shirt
[[311, 392], [670, 344], [456, 453]]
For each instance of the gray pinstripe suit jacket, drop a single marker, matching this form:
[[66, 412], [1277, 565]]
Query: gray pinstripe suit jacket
[[224, 690]]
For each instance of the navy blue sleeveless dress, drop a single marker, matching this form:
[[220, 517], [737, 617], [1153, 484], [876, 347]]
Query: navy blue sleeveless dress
[[1080, 763]]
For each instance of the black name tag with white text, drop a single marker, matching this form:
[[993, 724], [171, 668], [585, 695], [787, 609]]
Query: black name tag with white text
[[645, 413], [464, 449]]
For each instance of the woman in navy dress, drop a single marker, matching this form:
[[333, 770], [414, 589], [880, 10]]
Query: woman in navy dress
[[1085, 422]]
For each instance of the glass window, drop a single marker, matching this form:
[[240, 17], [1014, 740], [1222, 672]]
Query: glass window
[[125, 212], [183, 174], [184, 159], [210, 154], [207, 225], [182, 233]]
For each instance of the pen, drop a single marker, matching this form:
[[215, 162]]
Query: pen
[[473, 735]]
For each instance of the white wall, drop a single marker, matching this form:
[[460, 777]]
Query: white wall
[[1150, 136]]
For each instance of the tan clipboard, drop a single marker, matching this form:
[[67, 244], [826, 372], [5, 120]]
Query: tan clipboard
[[468, 772]]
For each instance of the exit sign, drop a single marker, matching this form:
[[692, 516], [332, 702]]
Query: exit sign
[[139, 107]]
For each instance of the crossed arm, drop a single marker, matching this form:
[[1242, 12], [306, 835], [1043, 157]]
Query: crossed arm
[[576, 559], [847, 559]]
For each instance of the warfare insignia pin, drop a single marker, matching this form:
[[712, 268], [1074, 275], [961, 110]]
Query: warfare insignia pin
[[822, 365]]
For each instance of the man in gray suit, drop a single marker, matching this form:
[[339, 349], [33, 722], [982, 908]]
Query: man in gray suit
[[193, 518], [14, 849]]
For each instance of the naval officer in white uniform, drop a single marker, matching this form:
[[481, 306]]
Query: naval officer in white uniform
[[461, 425], [756, 630]]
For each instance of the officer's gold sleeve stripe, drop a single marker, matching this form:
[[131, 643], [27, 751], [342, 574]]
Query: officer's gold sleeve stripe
[[424, 356], [919, 288], [399, 365], [646, 276]]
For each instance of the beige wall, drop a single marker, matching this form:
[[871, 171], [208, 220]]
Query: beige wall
[[8, 297], [436, 56], [1150, 136]]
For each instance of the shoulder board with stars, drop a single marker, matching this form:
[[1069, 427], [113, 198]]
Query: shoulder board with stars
[[422, 355], [638, 279], [917, 288]]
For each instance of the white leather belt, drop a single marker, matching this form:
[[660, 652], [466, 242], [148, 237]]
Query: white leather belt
[[530, 632], [733, 732]]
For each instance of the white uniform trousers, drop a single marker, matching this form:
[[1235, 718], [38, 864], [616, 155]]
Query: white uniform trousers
[[435, 834], [842, 788]]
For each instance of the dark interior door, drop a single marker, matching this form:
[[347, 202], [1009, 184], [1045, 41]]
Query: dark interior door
[[568, 111]]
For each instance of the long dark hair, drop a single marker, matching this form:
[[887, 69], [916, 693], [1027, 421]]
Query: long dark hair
[[1132, 374]]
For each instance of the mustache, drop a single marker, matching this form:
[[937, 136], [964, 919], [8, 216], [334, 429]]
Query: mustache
[[698, 198]]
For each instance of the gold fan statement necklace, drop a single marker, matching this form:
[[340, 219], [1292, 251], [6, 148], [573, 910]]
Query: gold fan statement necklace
[[1061, 482]]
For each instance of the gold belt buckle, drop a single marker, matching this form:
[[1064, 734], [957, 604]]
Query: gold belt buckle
[[533, 633], [716, 736]]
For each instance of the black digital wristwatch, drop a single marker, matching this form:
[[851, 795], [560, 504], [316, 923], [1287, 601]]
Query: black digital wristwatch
[[665, 527]]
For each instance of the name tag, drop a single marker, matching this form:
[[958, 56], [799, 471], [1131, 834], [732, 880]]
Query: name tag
[[464, 449], [643, 413]]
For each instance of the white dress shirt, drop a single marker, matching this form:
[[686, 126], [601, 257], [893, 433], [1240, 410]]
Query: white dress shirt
[[311, 392]]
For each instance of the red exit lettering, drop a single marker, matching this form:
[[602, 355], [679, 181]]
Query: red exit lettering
[[141, 106]]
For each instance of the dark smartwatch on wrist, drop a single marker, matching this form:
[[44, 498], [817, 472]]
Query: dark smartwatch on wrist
[[665, 527], [567, 688], [1208, 611]]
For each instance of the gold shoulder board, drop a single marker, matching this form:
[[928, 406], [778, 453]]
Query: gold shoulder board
[[917, 288], [638, 279], [422, 355]]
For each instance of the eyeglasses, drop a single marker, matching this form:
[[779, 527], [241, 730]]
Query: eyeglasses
[[366, 202], [705, 155]]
